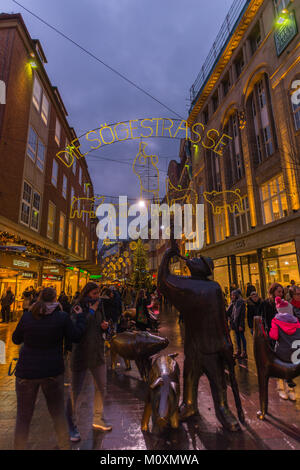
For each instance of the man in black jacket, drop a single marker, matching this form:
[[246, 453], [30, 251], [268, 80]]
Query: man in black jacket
[[236, 314]]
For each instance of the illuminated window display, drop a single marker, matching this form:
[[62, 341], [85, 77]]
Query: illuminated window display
[[280, 264]]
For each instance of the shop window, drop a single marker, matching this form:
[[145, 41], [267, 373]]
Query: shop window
[[51, 220], [280, 264], [57, 132], [65, 186], [54, 173], [37, 94], [62, 229], [295, 99], [274, 202], [242, 221], [70, 236]]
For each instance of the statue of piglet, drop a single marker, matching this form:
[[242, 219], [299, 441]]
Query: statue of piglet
[[136, 346], [163, 395]]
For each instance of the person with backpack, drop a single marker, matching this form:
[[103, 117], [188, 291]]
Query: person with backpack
[[43, 330]]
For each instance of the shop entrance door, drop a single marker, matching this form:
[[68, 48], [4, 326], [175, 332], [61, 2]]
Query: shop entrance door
[[248, 271]]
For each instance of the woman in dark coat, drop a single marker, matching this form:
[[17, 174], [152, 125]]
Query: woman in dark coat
[[43, 330], [267, 308], [89, 355], [253, 308]]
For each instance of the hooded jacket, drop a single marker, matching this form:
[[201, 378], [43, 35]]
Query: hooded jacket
[[285, 330], [236, 312]]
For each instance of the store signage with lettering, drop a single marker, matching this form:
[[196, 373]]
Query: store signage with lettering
[[52, 277], [285, 33], [28, 275], [21, 263]]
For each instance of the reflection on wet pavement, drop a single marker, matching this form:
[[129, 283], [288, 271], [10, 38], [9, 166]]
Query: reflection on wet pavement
[[125, 403]]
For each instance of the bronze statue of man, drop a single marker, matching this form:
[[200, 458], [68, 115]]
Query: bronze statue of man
[[207, 346]]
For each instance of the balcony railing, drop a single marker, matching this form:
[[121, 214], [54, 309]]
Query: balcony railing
[[232, 19]]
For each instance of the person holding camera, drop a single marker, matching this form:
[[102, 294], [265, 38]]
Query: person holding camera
[[88, 355]]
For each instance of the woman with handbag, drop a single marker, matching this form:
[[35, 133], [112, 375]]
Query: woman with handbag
[[43, 330]]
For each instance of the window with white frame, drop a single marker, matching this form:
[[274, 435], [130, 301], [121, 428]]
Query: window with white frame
[[37, 94], [273, 199], [30, 207], [40, 101], [242, 220], [54, 173], [57, 131], [70, 235], [36, 149], [62, 229], [45, 109], [65, 186], [51, 220], [295, 99]]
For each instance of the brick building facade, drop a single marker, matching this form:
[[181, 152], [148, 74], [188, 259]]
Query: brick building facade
[[37, 189]]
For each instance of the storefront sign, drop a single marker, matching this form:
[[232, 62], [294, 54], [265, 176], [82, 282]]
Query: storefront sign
[[28, 275], [285, 32], [52, 277], [240, 244], [21, 263]]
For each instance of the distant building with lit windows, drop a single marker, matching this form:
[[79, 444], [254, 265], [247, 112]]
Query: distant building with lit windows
[[37, 188], [249, 89]]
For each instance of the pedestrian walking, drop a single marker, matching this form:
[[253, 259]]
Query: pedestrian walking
[[236, 314], [253, 308], [7, 300], [285, 330], [26, 296], [268, 308], [88, 355], [42, 330], [142, 301]]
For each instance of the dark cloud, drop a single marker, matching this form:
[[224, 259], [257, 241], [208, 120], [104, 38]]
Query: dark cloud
[[161, 45]]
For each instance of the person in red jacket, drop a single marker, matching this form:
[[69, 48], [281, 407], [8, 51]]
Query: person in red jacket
[[285, 329]]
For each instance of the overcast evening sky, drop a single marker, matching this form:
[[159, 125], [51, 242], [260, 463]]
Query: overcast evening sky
[[159, 44]]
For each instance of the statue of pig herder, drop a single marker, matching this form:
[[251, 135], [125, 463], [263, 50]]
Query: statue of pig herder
[[207, 346]]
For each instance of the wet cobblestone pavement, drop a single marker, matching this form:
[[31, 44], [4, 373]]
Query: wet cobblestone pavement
[[124, 407]]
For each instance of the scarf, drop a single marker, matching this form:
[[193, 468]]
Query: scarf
[[50, 307], [295, 303]]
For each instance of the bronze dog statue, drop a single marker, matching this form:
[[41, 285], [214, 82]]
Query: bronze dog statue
[[268, 365], [163, 396]]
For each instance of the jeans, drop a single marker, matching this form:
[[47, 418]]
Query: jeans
[[78, 377], [240, 337], [53, 390]]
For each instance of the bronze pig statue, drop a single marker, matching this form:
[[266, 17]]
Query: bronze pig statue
[[163, 396], [137, 346]]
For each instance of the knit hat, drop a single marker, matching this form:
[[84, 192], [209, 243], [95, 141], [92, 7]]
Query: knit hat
[[283, 306]]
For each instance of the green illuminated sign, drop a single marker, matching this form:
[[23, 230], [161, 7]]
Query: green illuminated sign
[[96, 277], [285, 31]]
